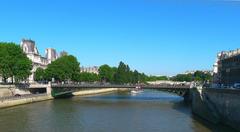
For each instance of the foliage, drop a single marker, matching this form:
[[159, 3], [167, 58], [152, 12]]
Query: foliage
[[157, 78], [39, 74], [202, 76], [13, 62], [67, 68], [198, 76], [89, 77], [63, 69], [183, 77], [106, 73], [122, 74]]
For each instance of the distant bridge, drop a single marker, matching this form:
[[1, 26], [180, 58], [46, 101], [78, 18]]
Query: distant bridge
[[58, 90], [64, 89]]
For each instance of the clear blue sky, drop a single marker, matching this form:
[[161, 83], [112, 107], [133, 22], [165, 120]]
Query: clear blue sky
[[153, 36]]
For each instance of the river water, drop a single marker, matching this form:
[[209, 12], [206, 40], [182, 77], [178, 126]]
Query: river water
[[149, 111]]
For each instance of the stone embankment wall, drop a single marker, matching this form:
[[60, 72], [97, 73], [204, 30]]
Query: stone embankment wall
[[23, 100], [4, 92], [97, 91], [217, 105], [9, 102], [11, 90]]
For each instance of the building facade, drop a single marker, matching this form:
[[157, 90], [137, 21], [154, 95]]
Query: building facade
[[93, 69], [227, 68], [51, 54], [30, 49]]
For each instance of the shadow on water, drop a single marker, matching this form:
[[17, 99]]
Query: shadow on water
[[185, 108], [177, 103], [64, 96], [150, 99], [214, 127], [143, 96]]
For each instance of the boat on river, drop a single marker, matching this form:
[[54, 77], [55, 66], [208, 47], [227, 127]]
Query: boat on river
[[136, 90]]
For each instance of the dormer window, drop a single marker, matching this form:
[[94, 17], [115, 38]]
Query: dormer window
[[25, 49]]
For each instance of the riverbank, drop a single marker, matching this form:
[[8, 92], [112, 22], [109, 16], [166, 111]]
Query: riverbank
[[9, 102], [14, 101]]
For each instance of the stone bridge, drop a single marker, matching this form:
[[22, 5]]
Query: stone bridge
[[65, 89], [59, 90]]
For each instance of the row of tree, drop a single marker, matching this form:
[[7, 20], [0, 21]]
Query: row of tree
[[198, 76], [67, 68], [157, 78], [14, 63], [121, 74]]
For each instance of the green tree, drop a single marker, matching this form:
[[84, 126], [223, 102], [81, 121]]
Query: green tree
[[106, 73], [201, 76], [89, 77], [156, 78], [122, 74], [13, 62], [183, 77], [136, 76], [63, 69], [39, 75]]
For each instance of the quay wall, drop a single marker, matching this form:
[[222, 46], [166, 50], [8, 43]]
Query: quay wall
[[217, 105], [37, 98], [4, 92], [24, 100], [11, 90], [97, 91]]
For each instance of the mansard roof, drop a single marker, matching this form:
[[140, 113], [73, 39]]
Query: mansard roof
[[29, 46]]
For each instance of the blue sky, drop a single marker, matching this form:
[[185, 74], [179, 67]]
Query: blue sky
[[153, 36]]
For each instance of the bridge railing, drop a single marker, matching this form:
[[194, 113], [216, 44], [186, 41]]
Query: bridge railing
[[91, 86], [168, 86], [55, 85]]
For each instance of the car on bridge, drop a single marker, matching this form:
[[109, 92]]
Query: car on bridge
[[236, 85]]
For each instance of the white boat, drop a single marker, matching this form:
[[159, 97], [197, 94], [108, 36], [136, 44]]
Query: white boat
[[136, 90]]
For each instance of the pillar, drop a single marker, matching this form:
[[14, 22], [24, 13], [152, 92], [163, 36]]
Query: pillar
[[49, 88]]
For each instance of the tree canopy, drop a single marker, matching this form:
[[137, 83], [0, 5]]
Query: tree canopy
[[183, 77], [68, 68], [198, 76], [121, 74], [39, 74], [88, 77], [63, 69], [13, 62], [157, 78], [106, 73]]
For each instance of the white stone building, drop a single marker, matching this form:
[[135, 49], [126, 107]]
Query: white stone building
[[93, 69], [30, 49], [226, 69]]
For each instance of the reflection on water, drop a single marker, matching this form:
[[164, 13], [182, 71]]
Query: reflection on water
[[148, 111]]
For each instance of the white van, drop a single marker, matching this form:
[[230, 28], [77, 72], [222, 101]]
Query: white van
[[236, 85]]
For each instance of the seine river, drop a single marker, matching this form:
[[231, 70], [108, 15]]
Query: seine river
[[149, 111]]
